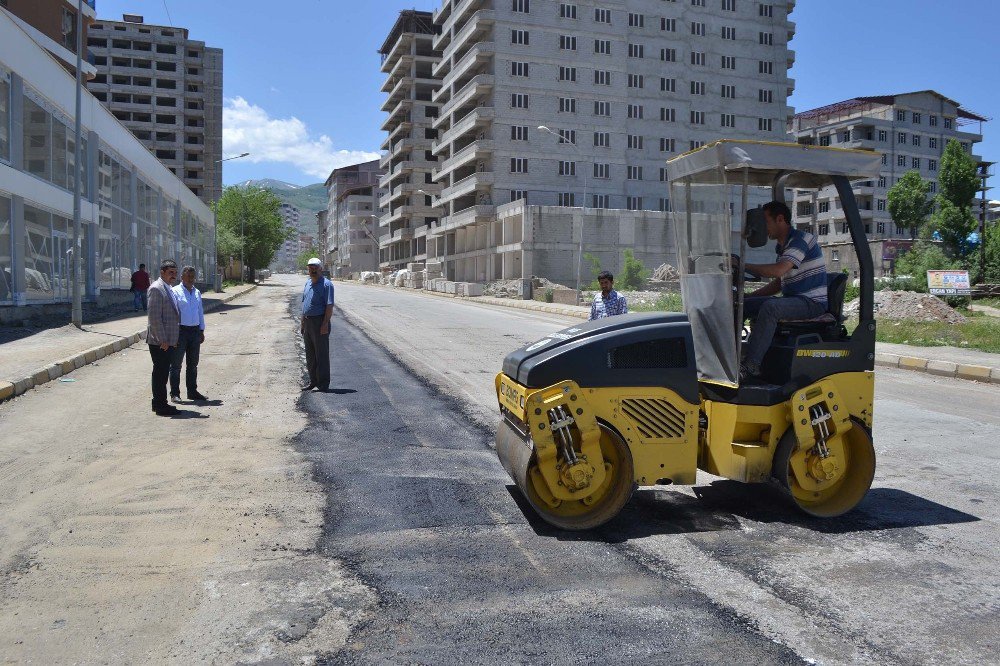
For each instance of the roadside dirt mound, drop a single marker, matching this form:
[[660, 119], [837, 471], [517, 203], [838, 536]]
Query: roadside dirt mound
[[909, 305]]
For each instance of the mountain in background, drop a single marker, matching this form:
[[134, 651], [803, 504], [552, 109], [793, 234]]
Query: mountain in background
[[309, 199]]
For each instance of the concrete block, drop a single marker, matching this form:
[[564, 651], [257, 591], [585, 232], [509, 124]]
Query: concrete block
[[55, 371], [80, 360], [995, 376], [109, 348], [979, 373], [23, 385], [891, 360], [40, 376], [67, 365], [450, 287], [135, 338], [912, 363], [142, 335], [100, 352], [89, 356], [942, 368], [6, 390], [116, 346]]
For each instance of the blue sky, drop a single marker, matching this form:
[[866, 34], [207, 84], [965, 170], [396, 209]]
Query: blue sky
[[302, 77]]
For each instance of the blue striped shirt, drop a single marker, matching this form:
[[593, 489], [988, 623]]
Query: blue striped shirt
[[614, 304], [808, 274]]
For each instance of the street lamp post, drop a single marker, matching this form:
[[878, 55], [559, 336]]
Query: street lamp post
[[77, 313], [215, 230], [583, 218]]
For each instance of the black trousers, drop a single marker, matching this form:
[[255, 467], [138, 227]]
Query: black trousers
[[317, 352], [161, 372], [188, 344]]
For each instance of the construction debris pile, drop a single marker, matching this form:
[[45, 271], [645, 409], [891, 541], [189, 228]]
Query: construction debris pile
[[908, 305], [665, 273]]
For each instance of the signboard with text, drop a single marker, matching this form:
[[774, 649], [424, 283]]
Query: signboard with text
[[949, 283]]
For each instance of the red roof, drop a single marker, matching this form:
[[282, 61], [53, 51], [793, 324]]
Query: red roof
[[888, 100]]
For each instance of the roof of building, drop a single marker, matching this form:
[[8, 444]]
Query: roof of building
[[410, 20], [854, 102]]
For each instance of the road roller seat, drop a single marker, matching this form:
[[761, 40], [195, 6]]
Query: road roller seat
[[827, 325]]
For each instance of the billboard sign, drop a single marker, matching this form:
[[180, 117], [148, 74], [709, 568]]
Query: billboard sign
[[949, 283]]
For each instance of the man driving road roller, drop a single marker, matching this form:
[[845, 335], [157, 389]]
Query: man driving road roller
[[799, 274]]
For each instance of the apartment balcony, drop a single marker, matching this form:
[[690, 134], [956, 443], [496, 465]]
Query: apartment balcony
[[397, 92], [463, 218], [400, 113], [478, 118], [402, 129], [790, 62], [481, 85], [479, 55], [467, 155], [479, 26], [463, 9], [468, 185], [400, 48]]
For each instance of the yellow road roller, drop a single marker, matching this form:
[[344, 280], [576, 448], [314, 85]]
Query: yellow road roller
[[593, 411]]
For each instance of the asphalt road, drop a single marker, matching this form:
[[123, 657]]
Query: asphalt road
[[420, 510]]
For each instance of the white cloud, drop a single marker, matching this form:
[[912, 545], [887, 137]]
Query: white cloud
[[247, 128]]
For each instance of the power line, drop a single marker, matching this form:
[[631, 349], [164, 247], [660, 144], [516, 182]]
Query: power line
[[168, 12]]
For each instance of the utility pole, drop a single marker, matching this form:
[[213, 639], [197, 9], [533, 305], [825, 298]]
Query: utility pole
[[77, 313], [217, 281]]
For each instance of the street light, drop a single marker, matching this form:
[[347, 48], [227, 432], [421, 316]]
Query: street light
[[77, 313], [579, 257], [215, 231]]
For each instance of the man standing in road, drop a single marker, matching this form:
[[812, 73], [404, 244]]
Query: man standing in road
[[609, 302], [317, 308], [140, 283], [162, 333], [190, 338]]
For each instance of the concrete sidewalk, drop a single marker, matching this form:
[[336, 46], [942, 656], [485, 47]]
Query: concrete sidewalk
[[942, 361], [54, 352]]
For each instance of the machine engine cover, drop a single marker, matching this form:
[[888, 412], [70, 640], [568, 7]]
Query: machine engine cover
[[648, 349]]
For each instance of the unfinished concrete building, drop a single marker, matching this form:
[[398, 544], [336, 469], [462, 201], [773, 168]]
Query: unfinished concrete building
[[408, 59], [353, 218], [167, 89]]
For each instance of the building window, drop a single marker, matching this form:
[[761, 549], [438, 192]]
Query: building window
[[635, 50], [695, 145], [634, 142], [764, 124], [915, 164], [601, 200], [932, 142], [602, 46], [697, 117], [729, 5], [668, 115], [567, 74], [728, 62], [664, 204], [846, 137], [933, 185], [835, 255], [668, 25], [635, 111], [519, 133], [881, 181], [516, 195], [697, 3], [932, 121], [668, 55], [767, 11], [636, 81], [765, 67], [885, 159], [667, 145], [602, 77], [947, 123], [728, 32], [728, 91], [824, 206], [602, 139], [566, 199], [602, 170], [519, 165], [880, 204], [880, 227], [602, 16], [901, 116], [567, 11], [663, 174], [567, 105], [697, 87], [521, 6], [901, 160], [765, 38], [728, 120], [519, 37], [668, 85], [567, 43], [765, 96], [823, 229], [518, 101], [916, 139], [633, 203], [901, 138], [567, 136], [697, 28], [518, 68], [917, 118], [636, 20], [567, 168], [932, 165], [602, 109], [698, 58]]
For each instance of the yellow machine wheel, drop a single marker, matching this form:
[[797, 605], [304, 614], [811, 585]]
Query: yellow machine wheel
[[597, 508], [845, 492]]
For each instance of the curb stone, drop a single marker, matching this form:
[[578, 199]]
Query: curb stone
[[9, 390]]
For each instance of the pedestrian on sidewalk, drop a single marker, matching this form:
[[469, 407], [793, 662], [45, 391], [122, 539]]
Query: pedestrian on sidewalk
[[140, 283], [609, 302], [161, 334], [317, 308], [190, 337]]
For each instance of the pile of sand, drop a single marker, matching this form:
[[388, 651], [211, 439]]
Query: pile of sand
[[909, 305]]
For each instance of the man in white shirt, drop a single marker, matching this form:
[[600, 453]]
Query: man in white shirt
[[192, 334]]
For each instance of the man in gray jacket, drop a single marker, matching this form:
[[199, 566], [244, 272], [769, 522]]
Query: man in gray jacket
[[162, 333]]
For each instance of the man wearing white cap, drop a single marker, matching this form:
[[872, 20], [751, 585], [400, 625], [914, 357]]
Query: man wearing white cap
[[317, 308]]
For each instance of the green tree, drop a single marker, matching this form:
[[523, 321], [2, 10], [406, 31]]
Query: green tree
[[953, 224], [595, 268], [634, 274], [954, 220], [992, 274], [908, 202], [249, 221], [303, 259], [922, 257]]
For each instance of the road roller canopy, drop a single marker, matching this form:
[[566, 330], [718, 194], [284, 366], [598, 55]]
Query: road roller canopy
[[712, 193]]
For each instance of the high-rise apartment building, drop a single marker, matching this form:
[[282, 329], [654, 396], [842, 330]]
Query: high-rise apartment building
[[52, 25], [167, 89], [911, 131], [286, 255], [408, 58], [353, 218], [623, 85]]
